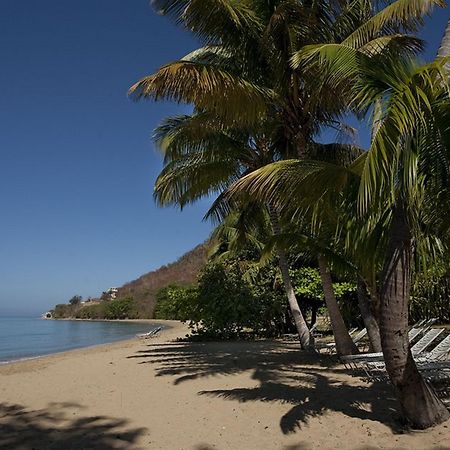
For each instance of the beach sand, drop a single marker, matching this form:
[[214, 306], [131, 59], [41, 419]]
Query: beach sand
[[162, 394]]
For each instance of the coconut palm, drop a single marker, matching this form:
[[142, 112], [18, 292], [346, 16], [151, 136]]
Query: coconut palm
[[405, 176], [201, 158], [414, 139], [244, 73], [323, 226]]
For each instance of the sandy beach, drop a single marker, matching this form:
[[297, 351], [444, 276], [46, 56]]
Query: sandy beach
[[163, 394]]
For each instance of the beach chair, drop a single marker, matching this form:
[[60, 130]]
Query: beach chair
[[426, 341], [438, 374], [150, 334], [414, 333], [431, 365], [374, 367], [431, 321], [331, 346], [419, 324], [439, 353], [376, 360]]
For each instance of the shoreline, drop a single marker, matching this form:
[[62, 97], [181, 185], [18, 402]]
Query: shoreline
[[62, 352], [166, 324], [107, 320], [169, 395]]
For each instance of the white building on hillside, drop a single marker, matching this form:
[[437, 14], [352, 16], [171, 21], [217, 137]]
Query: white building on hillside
[[110, 294]]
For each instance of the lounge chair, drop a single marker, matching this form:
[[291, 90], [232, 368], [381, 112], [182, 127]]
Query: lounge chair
[[426, 341], [150, 334], [331, 346], [414, 333], [377, 359], [439, 353]]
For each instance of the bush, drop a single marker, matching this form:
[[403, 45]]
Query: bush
[[96, 311], [121, 308], [224, 304], [175, 303], [63, 311]]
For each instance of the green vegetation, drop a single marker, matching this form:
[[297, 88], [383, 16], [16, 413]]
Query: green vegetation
[[123, 308], [182, 272], [175, 303], [270, 78], [223, 305], [234, 297], [142, 291]]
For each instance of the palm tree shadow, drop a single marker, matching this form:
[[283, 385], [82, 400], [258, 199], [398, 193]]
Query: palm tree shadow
[[52, 428], [312, 384], [314, 399]]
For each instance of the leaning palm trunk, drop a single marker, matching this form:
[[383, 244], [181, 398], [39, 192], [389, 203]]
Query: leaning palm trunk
[[306, 339], [419, 403], [344, 343], [368, 316]]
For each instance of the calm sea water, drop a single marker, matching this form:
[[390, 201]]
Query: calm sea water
[[27, 337]]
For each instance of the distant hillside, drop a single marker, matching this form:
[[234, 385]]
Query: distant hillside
[[143, 291], [182, 272]]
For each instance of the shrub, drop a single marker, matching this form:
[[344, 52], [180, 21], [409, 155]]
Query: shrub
[[176, 303], [121, 308], [225, 302], [96, 311]]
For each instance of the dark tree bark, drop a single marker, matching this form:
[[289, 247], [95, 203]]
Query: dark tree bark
[[306, 339], [314, 309], [420, 406], [344, 343], [368, 316]]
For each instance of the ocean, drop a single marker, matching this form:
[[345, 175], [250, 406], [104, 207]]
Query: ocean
[[22, 338]]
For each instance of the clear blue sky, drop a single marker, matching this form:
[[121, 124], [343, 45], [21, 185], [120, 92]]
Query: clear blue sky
[[76, 159]]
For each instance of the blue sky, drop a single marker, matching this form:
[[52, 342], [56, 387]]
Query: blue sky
[[76, 159]]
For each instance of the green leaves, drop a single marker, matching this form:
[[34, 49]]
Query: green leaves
[[230, 97], [214, 21], [401, 14]]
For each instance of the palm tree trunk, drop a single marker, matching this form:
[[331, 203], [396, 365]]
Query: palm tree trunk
[[444, 49], [314, 309], [306, 339], [368, 317], [419, 404], [344, 343]]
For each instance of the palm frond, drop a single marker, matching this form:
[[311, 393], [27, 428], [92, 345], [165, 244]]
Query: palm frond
[[206, 87], [214, 21], [400, 15]]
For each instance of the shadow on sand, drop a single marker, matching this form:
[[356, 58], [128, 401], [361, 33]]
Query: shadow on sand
[[311, 384], [56, 428]]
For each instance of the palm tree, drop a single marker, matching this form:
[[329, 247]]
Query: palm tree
[[203, 157], [244, 70], [404, 176], [244, 73], [319, 223]]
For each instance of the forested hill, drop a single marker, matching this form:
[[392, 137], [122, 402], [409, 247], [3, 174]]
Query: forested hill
[[182, 272], [136, 299]]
